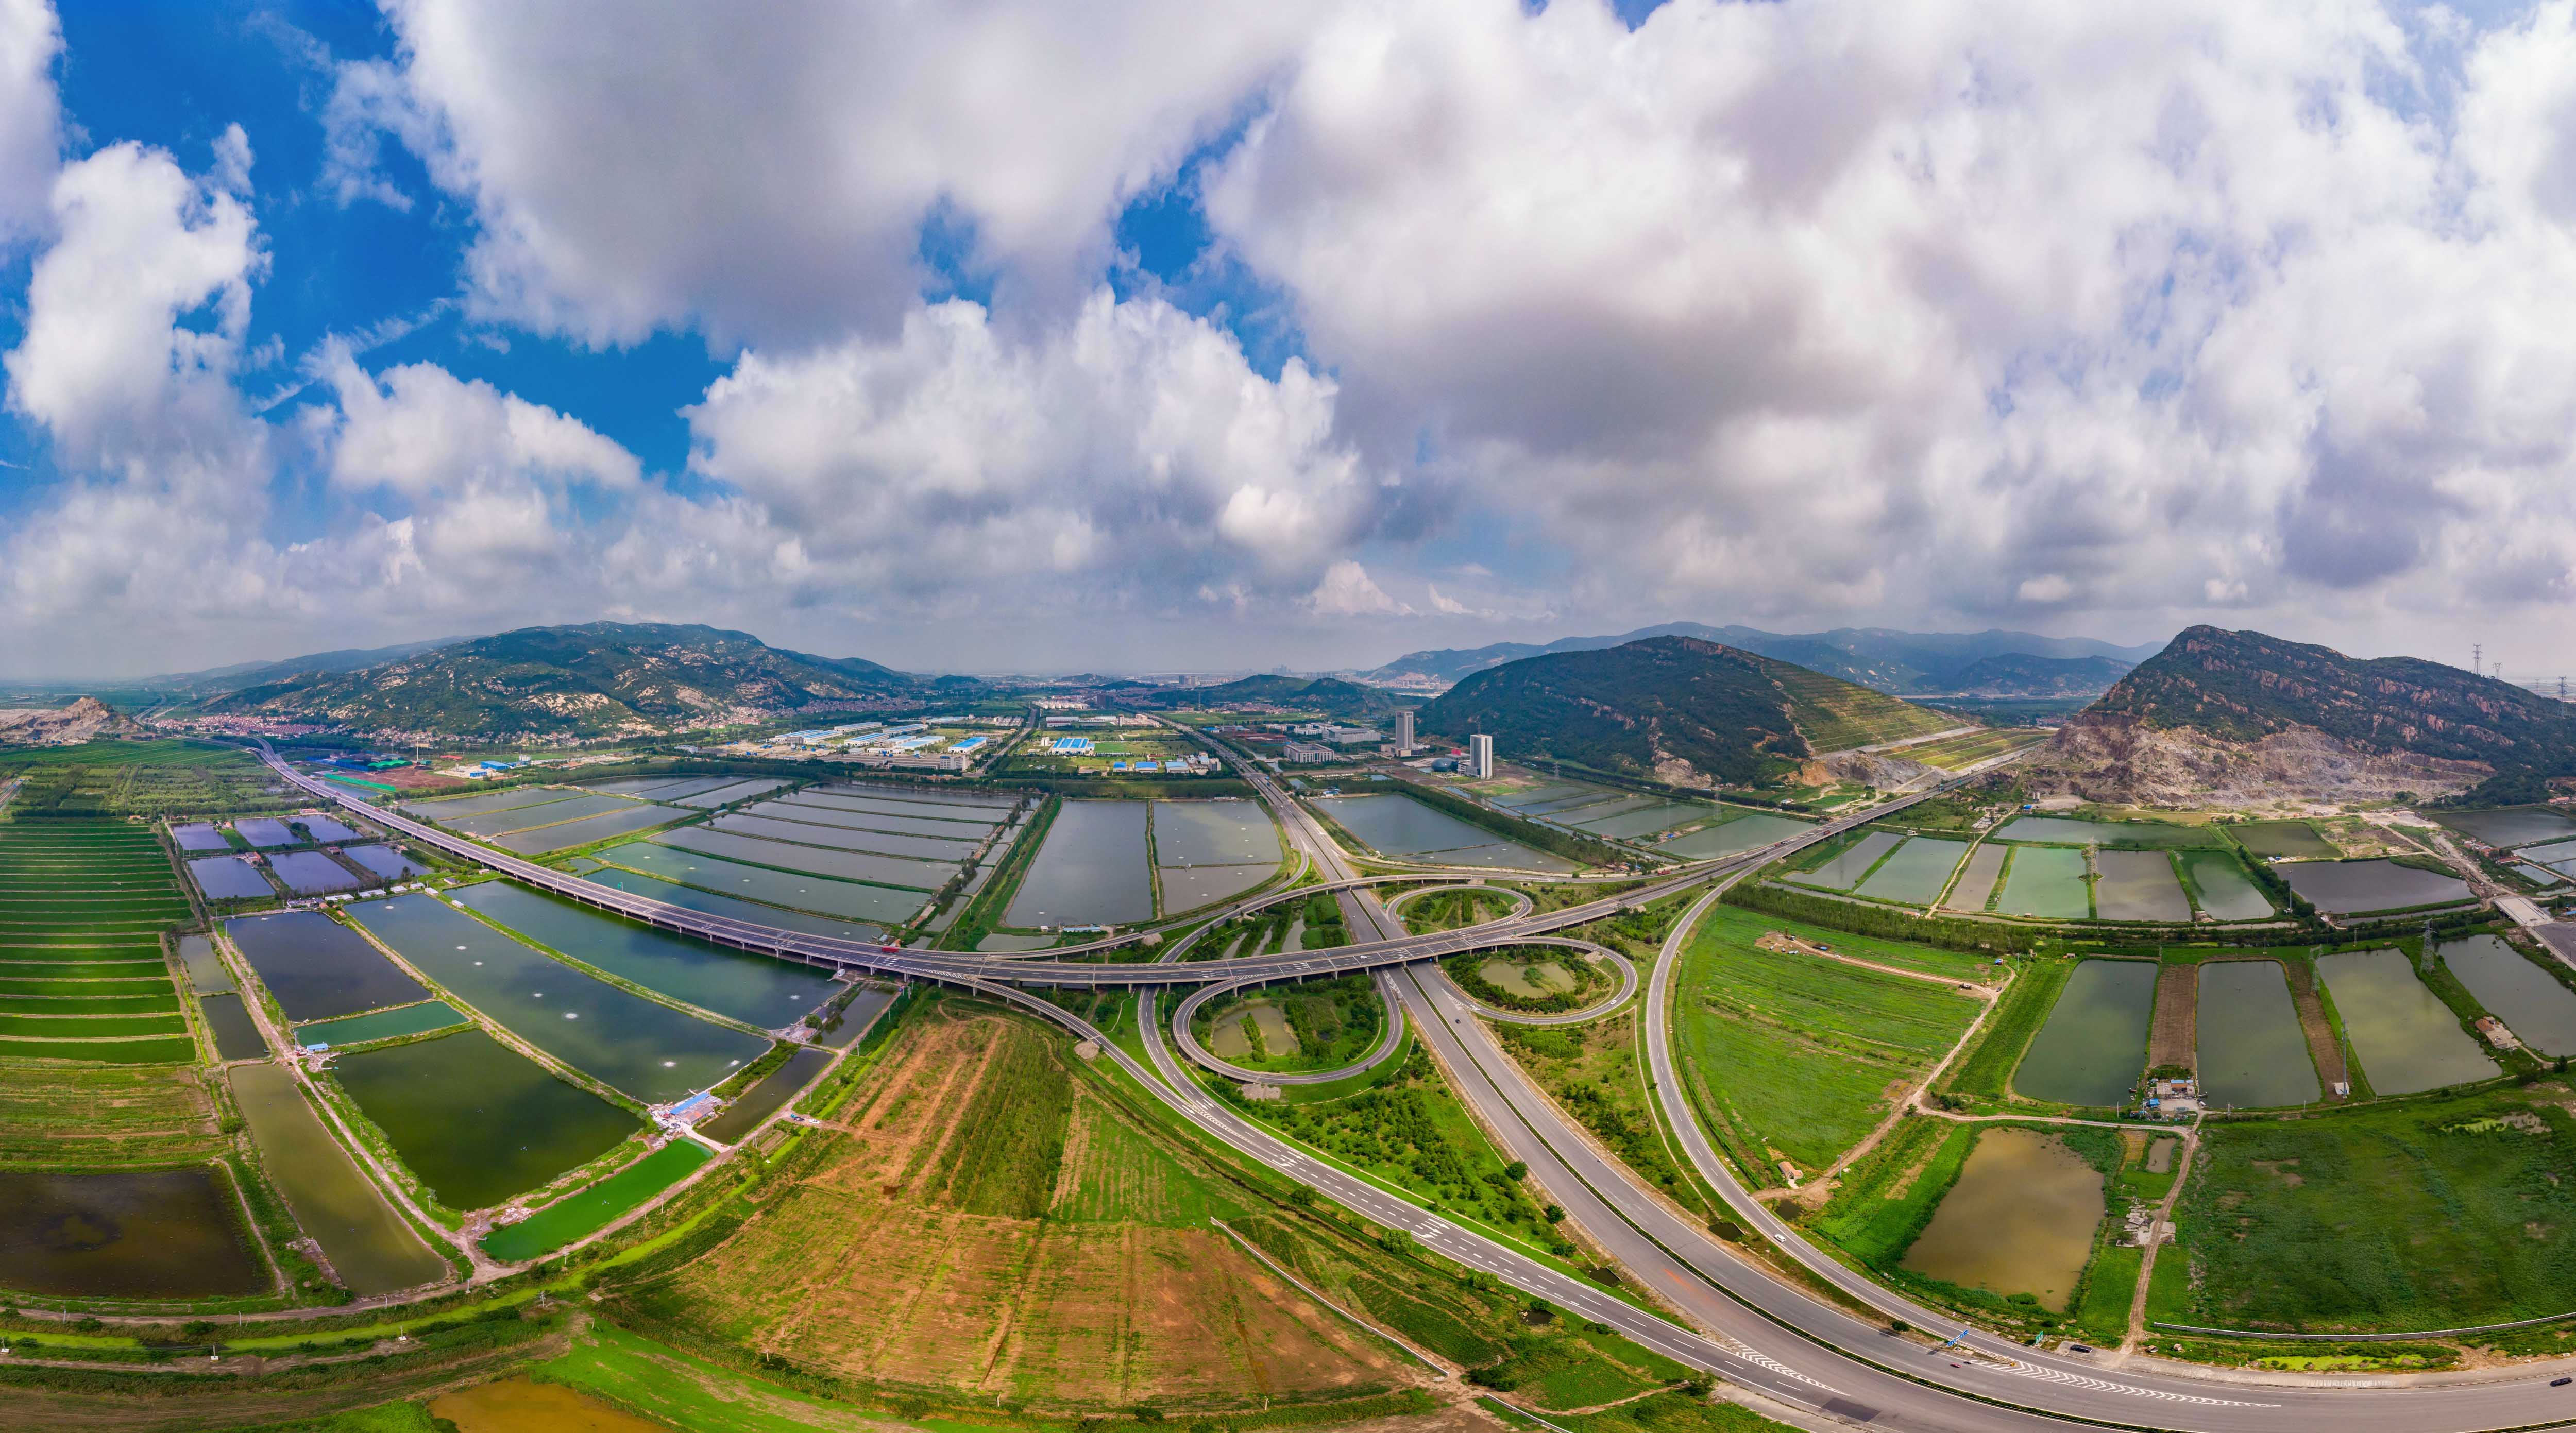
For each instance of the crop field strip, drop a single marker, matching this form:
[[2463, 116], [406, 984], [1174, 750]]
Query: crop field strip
[[82, 971], [1956, 753], [1799, 1053]]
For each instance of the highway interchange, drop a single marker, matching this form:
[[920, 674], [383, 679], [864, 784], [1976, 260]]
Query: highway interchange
[[1734, 1318]]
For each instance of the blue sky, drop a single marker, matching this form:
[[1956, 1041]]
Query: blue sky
[[1171, 336]]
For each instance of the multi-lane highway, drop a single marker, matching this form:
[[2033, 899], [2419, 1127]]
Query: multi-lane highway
[[1743, 1323]]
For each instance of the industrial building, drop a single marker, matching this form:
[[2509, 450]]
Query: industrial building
[[1308, 753]]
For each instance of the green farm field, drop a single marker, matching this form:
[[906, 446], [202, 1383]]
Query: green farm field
[[1957, 753], [1797, 1053], [82, 908], [167, 776], [1986, 1070], [2439, 1214]]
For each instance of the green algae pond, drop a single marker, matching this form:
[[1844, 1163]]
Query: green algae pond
[[1843, 871], [2252, 1053], [2533, 1003], [586, 1211], [754, 989], [477, 1121], [2225, 891], [1915, 872], [237, 1037], [2094, 1046], [2020, 1220], [2046, 881], [648, 1050], [370, 1247], [2408, 1040], [129, 1234], [417, 1019], [774, 1089]]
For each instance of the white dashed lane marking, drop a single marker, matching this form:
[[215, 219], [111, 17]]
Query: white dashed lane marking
[[2077, 1380]]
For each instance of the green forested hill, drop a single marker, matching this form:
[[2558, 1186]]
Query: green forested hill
[[1674, 708], [593, 680]]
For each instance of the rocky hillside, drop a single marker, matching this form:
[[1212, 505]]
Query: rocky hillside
[[596, 680], [1676, 709], [2240, 718], [84, 720]]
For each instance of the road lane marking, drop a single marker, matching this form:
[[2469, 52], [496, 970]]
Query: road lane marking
[[2077, 1380]]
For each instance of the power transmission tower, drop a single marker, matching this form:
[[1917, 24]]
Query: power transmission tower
[[2477, 657]]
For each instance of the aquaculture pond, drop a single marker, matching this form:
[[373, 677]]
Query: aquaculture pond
[[2341, 887], [229, 878], [199, 836], [1214, 833], [1651, 819], [1843, 871], [729, 793], [2045, 881], [385, 862], [955, 808], [2094, 1046], [476, 1120], [132, 1234], [1915, 872], [2020, 1220], [923, 876], [543, 839], [2532, 1002], [236, 1036], [953, 850], [1091, 871], [1397, 825], [840, 819], [324, 828], [261, 831], [755, 989], [585, 1211], [310, 873], [2511, 826], [443, 809], [2077, 831], [1976, 884], [1187, 890], [772, 1090], [487, 824], [2296, 839], [2408, 1040], [778, 888], [2138, 886], [709, 903], [418, 1019], [2252, 1054], [206, 972], [651, 1052], [369, 1245], [2226, 892], [316, 968]]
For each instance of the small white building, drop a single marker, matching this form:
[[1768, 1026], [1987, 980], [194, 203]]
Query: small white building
[[1308, 753]]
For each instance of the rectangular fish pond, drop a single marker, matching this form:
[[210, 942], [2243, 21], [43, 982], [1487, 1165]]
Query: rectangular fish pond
[[1744, 833], [646, 1049], [477, 1121], [2252, 1053], [763, 1099], [2348, 887], [417, 1019], [385, 862], [2295, 839], [2532, 1002], [1091, 871], [262, 831], [199, 836], [755, 989], [1397, 825], [2407, 1038], [2078, 831], [2046, 881], [2509, 826], [316, 968], [130, 1234], [583, 832], [2138, 886], [1915, 872], [922, 876], [1976, 884], [370, 1246], [229, 878], [2226, 892], [1214, 833], [1842, 872], [2094, 1046], [709, 903], [236, 1036], [797, 891], [310, 873], [2020, 1219]]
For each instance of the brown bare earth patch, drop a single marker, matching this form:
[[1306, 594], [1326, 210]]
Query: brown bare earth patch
[[2175, 1037], [993, 1226], [2322, 1046]]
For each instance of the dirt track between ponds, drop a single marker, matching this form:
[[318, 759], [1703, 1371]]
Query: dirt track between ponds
[[2176, 1036], [2322, 1045]]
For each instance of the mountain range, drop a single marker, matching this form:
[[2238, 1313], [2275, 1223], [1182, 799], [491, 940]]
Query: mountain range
[[2225, 717], [1900, 663], [1675, 709], [589, 681]]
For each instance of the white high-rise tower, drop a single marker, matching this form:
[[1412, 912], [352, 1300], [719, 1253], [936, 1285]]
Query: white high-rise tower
[[1404, 733], [1480, 757]]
